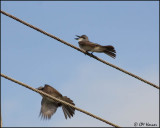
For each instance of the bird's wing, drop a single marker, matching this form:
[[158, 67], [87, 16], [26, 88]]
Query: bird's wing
[[94, 44], [91, 44], [47, 108]]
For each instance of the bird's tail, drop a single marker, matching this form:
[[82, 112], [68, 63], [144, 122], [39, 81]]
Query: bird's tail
[[67, 110], [109, 50]]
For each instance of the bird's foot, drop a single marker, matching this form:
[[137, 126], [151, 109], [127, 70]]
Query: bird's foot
[[91, 53], [86, 52]]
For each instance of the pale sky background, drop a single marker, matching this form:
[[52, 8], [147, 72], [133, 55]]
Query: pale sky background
[[35, 59]]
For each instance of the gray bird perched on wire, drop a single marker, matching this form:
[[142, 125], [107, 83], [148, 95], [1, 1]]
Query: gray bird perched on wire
[[86, 45], [49, 106]]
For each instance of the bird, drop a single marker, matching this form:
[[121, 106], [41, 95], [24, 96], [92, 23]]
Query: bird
[[49, 106], [86, 45]]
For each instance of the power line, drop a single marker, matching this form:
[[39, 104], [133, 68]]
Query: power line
[[93, 56], [58, 100]]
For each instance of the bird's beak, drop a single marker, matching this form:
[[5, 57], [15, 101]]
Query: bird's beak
[[37, 88], [77, 38], [40, 88]]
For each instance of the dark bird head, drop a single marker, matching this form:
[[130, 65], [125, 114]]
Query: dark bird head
[[41, 89], [82, 38]]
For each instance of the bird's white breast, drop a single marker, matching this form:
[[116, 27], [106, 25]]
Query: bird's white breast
[[80, 39]]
